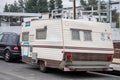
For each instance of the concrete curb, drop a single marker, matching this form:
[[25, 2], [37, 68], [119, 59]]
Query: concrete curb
[[115, 63], [116, 67]]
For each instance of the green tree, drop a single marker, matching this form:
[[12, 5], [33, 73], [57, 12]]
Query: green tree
[[55, 4], [36, 6], [42, 6], [59, 4], [14, 7], [51, 5], [31, 6], [92, 2], [11, 8], [21, 5], [115, 18], [6, 8], [118, 23], [115, 15], [83, 2]]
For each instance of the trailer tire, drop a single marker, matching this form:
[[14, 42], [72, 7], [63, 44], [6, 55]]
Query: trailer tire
[[42, 67]]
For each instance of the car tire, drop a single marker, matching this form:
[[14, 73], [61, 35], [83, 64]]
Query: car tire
[[42, 67], [7, 56]]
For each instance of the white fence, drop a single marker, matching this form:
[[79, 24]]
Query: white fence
[[116, 34]]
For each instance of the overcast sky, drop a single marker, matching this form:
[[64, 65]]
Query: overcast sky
[[66, 3]]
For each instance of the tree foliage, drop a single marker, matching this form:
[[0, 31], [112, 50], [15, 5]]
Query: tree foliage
[[115, 15], [92, 2], [14, 7], [115, 18], [6, 8], [87, 5], [51, 5], [11, 7], [83, 3], [31, 6], [59, 4], [118, 23], [21, 5], [55, 4], [36, 6], [42, 6]]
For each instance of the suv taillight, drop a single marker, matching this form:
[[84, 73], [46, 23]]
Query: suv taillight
[[15, 48]]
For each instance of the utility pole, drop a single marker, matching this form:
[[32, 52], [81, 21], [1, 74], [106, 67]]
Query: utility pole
[[9, 12], [0, 20], [74, 9], [56, 11], [99, 10], [108, 11]]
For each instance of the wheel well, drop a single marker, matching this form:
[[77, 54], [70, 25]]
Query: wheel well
[[7, 48], [41, 61]]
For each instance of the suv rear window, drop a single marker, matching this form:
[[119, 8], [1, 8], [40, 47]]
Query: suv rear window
[[15, 39], [5, 38]]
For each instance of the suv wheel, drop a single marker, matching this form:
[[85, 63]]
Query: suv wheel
[[7, 56]]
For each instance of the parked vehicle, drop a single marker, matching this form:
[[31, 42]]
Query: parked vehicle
[[69, 45], [9, 46]]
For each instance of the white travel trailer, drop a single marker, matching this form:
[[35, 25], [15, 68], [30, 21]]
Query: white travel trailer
[[69, 45]]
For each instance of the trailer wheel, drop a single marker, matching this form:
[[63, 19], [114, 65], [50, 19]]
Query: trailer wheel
[[42, 67]]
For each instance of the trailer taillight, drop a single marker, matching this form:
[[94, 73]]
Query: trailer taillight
[[15, 48], [68, 56], [109, 58]]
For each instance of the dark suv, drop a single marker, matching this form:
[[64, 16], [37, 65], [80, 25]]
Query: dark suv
[[9, 46]]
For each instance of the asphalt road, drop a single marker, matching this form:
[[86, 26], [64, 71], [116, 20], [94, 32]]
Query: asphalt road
[[21, 71]]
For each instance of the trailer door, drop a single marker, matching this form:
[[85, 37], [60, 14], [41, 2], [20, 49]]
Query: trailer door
[[25, 44]]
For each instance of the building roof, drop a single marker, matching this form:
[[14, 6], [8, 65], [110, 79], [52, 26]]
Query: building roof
[[20, 14]]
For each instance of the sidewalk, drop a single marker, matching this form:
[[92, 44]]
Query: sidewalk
[[116, 64]]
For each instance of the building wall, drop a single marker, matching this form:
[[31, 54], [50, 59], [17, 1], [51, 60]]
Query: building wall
[[117, 50]]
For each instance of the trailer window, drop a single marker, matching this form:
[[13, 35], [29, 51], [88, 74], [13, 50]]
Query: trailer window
[[87, 35], [75, 34], [41, 33], [25, 36], [27, 24]]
